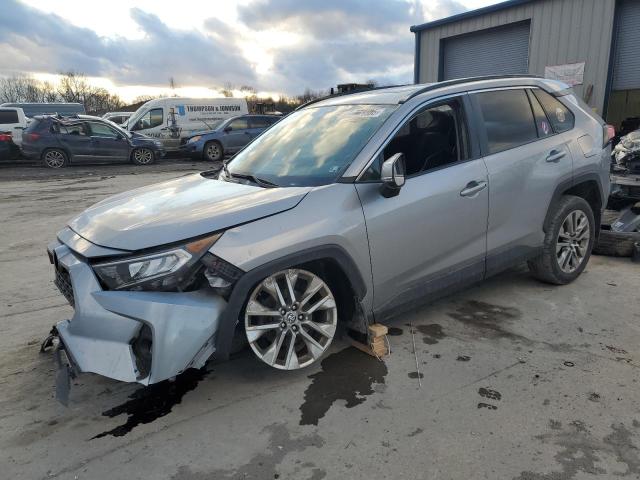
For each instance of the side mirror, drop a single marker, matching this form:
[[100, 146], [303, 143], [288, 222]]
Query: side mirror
[[392, 175], [227, 129]]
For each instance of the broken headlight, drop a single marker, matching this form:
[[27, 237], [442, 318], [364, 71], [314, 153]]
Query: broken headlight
[[163, 270], [220, 273]]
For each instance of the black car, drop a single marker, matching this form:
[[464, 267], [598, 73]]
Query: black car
[[8, 149], [59, 141]]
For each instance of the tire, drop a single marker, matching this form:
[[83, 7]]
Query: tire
[[143, 156], [55, 158], [213, 151], [560, 264], [291, 319], [616, 244]]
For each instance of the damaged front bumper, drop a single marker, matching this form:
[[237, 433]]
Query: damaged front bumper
[[132, 336]]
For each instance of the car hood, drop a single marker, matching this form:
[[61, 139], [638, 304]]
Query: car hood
[[178, 210]]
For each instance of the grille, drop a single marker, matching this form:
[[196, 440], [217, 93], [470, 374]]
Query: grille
[[63, 282]]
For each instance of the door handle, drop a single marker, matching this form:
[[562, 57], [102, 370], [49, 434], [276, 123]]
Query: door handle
[[555, 156], [472, 188]]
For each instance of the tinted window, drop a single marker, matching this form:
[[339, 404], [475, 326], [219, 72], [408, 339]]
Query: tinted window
[[508, 119], [102, 130], [433, 138], [8, 116], [77, 129], [561, 117], [239, 124], [542, 122], [260, 122]]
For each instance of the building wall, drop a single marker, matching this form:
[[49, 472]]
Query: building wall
[[562, 31]]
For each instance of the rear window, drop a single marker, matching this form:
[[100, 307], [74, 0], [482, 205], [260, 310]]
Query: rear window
[[36, 125], [260, 122], [508, 119], [561, 117], [8, 116]]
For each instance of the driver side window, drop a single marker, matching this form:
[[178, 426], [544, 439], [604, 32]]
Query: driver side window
[[433, 138], [153, 118]]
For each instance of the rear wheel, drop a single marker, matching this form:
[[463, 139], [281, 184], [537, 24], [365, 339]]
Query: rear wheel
[[568, 242], [142, 156], [54, 158], [291, 319], [213, 151]]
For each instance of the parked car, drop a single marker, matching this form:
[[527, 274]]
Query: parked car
[[172, 119], [13, 120], [229, 137], [33, 109], [60, 141], [8, 149], [351, 208], [119, 118]]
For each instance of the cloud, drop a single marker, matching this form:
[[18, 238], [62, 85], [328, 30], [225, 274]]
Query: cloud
[[334, 41], [35, 41]]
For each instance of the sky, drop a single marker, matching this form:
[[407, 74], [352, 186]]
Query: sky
[[133, 47]]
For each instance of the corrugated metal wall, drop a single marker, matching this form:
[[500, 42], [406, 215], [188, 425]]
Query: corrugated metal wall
[[626, 71], [562, 31]]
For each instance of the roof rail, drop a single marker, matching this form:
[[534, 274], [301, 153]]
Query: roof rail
[[456, 81], [316, 100]]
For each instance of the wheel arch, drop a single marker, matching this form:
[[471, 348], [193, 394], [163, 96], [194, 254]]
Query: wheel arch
[[341, 271], [587, 187]]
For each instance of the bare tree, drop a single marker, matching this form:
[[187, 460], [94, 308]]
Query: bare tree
[[227, 90]]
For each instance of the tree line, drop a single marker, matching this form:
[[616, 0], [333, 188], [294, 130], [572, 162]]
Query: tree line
[[75, 87], [72, 87]]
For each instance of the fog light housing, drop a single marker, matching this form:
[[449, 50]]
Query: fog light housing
[[219, 273]]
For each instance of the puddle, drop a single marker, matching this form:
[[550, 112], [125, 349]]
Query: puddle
[[395, 331], [150, 403], [347, 375], [432, 333]]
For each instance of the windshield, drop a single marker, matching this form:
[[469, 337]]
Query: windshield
[[312, 146]]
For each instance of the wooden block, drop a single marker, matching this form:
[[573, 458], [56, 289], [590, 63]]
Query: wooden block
[[374, 352], [378, 330]]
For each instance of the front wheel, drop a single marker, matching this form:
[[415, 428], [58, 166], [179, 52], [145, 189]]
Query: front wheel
[[142, 156], [213, 151], [568, 242], [290, 319]]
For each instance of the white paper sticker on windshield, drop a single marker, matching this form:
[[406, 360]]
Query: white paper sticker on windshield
[[366, 112]]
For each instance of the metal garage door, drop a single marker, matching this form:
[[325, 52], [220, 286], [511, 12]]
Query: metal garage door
[[626, 70], [495, 51]]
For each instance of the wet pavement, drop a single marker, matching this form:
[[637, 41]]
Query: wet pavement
[[519, 380]]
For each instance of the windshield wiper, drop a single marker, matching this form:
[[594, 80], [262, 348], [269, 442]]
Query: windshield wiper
[[257, 180]]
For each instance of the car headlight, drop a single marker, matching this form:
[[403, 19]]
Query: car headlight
[[194, 139], [165, 270]]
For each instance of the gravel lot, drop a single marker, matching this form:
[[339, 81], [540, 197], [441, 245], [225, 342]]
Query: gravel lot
[[520, 380]]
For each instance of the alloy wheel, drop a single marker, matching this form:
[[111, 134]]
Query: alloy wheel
[[143, 156], [573, 241], [54, 159], [291, 319]]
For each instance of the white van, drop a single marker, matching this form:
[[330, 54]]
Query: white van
[[13, 120], [174, 118]]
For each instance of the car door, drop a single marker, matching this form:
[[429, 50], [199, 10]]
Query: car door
[[236, 134], [75, 139], [107, 143], [152, 124], [525, 161], [431, 237]]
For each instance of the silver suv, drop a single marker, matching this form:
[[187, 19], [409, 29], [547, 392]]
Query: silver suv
[[352, 208]]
